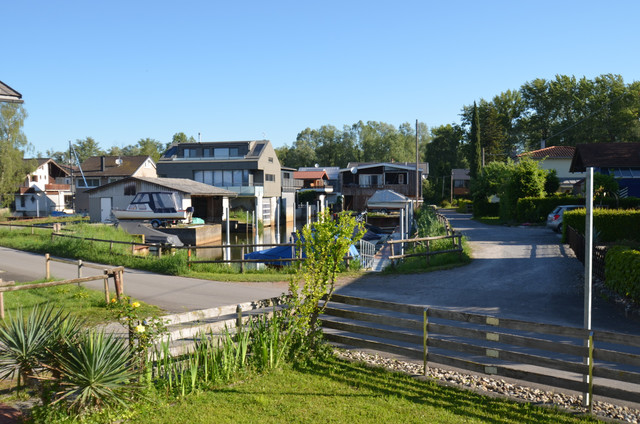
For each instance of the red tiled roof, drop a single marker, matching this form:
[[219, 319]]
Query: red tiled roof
[[553, 152], [309, 175]]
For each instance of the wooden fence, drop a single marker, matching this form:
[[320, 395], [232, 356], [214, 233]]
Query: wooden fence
[[117, 273], [563, 357], [456, 240]]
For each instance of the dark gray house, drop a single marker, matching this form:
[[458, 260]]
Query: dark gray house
[[250, 169]]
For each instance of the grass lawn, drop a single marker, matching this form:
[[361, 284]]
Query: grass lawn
[[335, 391], [86, 303]]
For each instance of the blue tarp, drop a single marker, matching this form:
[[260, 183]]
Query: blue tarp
[[274, 255], [270, 256]]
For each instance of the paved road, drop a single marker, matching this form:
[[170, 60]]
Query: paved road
[[517, 272], [174, 294]]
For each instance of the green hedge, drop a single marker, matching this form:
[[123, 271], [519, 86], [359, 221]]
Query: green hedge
[[484, 209], [464, 206], [610, 225], [536, 209], [622, 271]]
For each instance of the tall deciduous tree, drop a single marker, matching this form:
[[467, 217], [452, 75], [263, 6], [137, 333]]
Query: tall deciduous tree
[[13, 169], [87, 148]]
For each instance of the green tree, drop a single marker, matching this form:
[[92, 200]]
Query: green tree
[[551, 183], [181, 137], [87, 148], [443, 153], [325, 244], [526, 179], [13, 169], [475, 159], [145, 146], [490, 183]]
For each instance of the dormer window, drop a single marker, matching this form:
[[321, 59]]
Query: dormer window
[[190, 153]]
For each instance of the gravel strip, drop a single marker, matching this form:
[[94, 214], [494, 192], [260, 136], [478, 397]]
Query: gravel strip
[[485, 384]]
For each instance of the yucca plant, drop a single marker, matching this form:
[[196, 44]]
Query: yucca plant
[[96, 371], [26, 343]]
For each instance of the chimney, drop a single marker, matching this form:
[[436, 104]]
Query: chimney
[[102, 163]]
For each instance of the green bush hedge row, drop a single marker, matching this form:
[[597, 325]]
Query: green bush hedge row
[[610, 225], [463, 205], [622, 271], [482, 209], [536, 209]]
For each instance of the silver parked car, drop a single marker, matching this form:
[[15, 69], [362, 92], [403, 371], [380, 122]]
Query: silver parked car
[[554, 219]]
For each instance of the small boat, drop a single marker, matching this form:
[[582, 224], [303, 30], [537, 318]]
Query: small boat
[[159, 207]]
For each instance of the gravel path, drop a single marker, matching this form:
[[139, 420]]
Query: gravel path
[[500, 387]]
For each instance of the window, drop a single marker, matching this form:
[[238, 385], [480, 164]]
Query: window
[[271, 160], [130, 189], [221, 152], [370, 180], [401, 179], [190, 153], [91, 182], [270, 177], [223, 178]]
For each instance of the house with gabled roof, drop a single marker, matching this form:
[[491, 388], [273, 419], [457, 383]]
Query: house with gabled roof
[[45, 190], [251, 169], [100, 170], [557, 158], [208, 202], [359, 181], [9, 95], [620, 160]]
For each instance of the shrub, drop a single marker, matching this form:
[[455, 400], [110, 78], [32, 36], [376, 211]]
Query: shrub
[[622, 271], [536, 209], [611, 224]]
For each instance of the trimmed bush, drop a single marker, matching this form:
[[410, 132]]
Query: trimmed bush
[[610, 224], [622, 271], [536, 209], [464, 205]]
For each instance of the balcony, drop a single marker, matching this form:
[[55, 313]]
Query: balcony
[[57, 187]]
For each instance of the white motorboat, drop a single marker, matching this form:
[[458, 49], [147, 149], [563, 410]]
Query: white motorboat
[[159, 207]]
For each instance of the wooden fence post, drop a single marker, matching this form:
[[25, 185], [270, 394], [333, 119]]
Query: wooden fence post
[[79, 269], [242, 260], [106, 286], [4, 284], [239, 316], [117, 281], [47, 268], [425, 335], [428, 253]]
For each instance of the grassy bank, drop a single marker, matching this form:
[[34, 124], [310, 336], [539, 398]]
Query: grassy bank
[[86, 303], [336, 391]]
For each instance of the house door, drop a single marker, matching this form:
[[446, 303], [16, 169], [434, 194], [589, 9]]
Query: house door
[[105, 209]]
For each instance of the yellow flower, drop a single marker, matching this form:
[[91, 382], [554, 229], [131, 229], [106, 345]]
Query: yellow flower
[[140, 329], [113, 300], [135, 304]]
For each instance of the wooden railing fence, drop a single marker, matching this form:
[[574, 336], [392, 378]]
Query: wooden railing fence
[[456, 240], [116, 273], [563, 357]]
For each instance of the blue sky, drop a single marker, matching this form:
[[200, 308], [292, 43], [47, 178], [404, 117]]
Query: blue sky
[[119, 71]]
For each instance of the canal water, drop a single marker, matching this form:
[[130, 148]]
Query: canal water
[[267, 236]]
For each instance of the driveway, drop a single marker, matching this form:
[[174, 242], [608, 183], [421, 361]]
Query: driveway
[[517, 272]]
